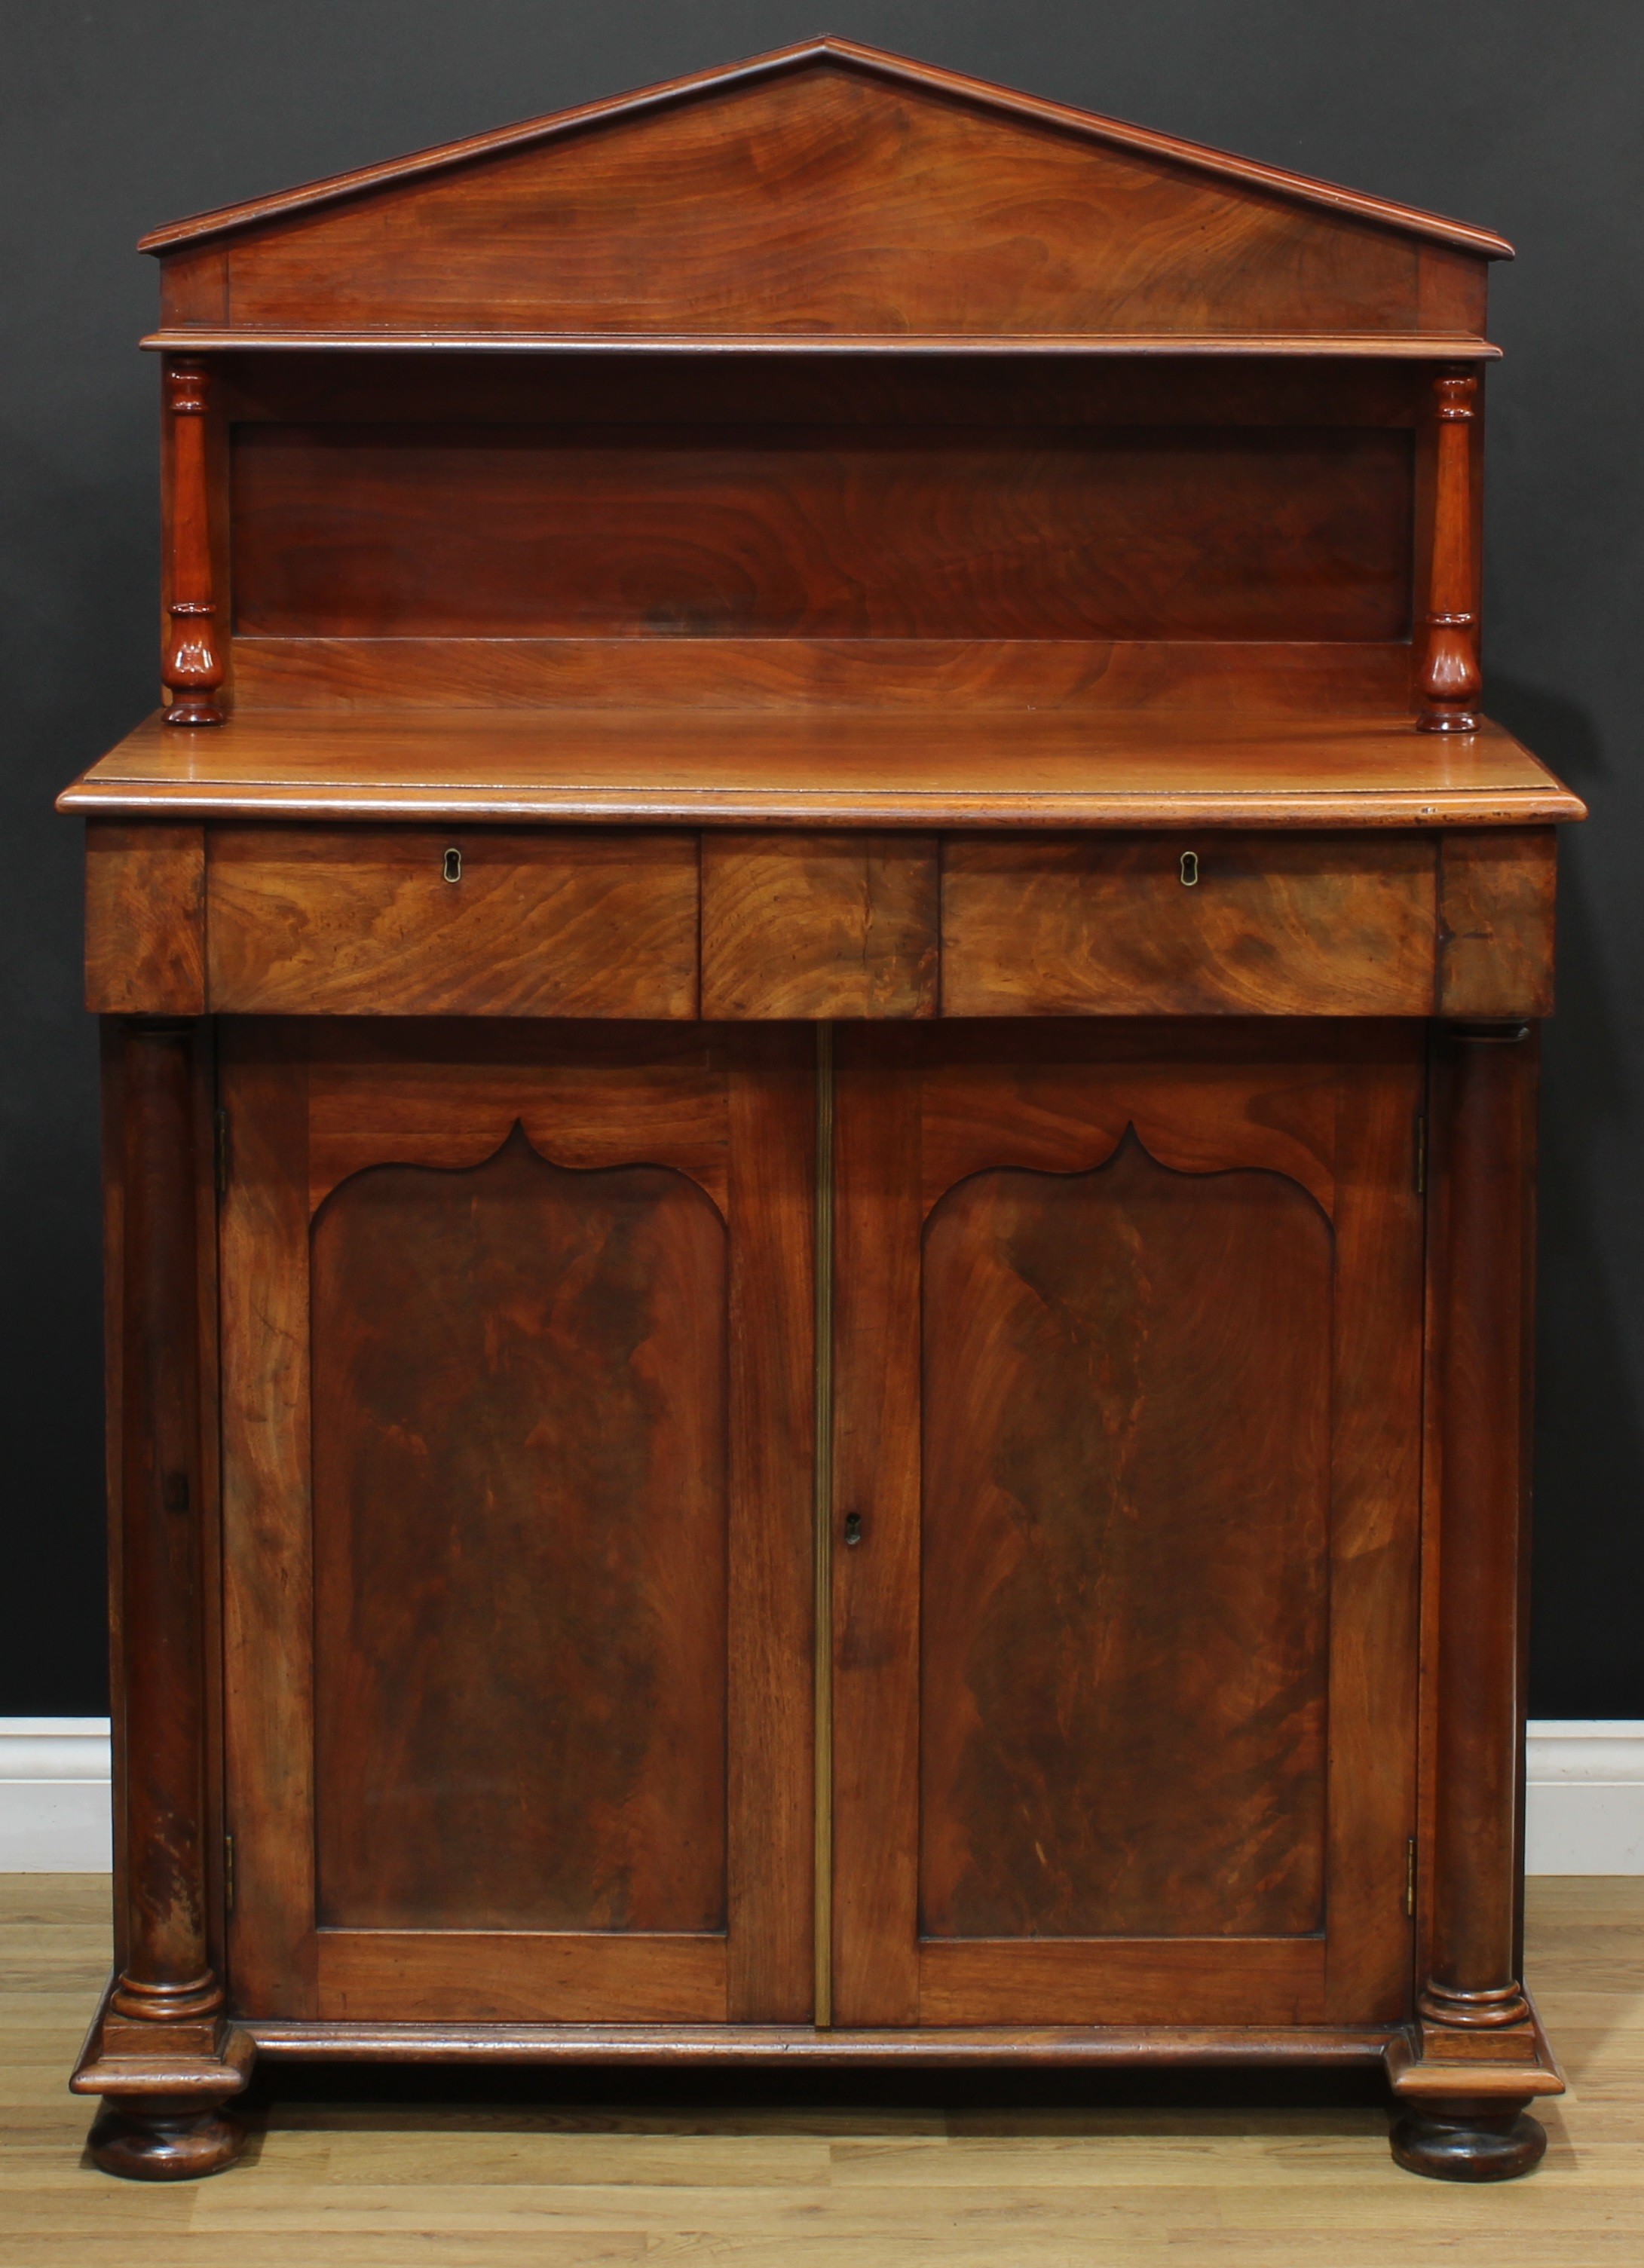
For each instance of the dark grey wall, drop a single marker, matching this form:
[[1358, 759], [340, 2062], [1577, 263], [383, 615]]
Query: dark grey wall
[[121, 114]]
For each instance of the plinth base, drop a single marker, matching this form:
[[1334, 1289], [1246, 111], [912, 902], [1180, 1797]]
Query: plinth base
[[1467, 2144], [166, 2143]]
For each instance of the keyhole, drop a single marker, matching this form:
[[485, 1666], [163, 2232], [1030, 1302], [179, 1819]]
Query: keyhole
[[1188, 869], [453, 866], [853, 1528]]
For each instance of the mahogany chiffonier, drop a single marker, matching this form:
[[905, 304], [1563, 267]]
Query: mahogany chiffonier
[[820, 1010]]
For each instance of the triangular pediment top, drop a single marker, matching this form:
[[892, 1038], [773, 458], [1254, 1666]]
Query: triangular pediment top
[[1238, 174]]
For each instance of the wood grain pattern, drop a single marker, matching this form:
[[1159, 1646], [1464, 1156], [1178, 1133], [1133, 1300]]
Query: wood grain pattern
[[146, 920], [519, 1413], [167, 1979], [531, 925], [984, 1110], [584, 1372], [1376, 1487], [819, 925], [982, 95], [821, 530], [1496, 922], [448, 1093], [1126, 1371], [877, 1478], [1487, 1139], [515, 1975], [268, 1573], [824, 199], [868, 766], [1273, 926], [1195, 1094], [1234, 1980], [1011, 678], [772, 1441]]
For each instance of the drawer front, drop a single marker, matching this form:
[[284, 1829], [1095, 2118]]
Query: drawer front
[[1223, 925], [413, 922], [818, 926]]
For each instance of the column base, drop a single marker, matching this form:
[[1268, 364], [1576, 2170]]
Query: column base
[[1484, 2141], [1461, 2094], [164, 2142], [163, 2087]]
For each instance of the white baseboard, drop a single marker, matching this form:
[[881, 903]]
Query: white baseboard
[[54, 1795], [1584, 1808], [1584, 1798]]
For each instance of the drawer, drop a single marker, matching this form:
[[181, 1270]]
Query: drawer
[[1162, 925], [481, 921]]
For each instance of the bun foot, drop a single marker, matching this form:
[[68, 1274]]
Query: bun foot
[[1464, 2142], [170, 2142]]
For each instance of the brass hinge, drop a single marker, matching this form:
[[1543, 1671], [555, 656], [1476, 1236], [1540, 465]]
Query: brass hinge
[[1421, 1153], [219, 1149], [228, 1873], [1410, 1878]]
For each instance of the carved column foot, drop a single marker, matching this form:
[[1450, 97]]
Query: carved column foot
[[1463, 2141], [165, 2140], [165, 2087]]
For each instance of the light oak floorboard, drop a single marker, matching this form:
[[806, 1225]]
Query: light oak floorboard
[[784, 2183]]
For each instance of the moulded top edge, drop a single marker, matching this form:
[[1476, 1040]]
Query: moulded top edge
[[1404, 345], [981, 97]]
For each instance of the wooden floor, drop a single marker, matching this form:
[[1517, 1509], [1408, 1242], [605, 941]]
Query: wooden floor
[[986, 2173]]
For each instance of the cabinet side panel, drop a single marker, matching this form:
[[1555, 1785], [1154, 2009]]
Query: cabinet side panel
[[520, 1516], [1496, 912], [1126, 1506], [146, 920]]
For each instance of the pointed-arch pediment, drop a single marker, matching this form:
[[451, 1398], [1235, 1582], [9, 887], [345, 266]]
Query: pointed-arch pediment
[[826, 192]]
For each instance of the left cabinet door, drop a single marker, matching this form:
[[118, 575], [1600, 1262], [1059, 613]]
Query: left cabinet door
[[516, 1443]]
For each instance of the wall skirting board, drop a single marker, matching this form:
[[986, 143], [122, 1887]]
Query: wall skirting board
[[1585, 1811], [54, 1795]]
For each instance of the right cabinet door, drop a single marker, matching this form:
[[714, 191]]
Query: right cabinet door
[[1127, 1464]]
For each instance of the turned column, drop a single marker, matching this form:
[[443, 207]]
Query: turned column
[[192, 667], [1469, 2125], [166, 1974], [1448, 682], [1471, 1981], [164, 2060]]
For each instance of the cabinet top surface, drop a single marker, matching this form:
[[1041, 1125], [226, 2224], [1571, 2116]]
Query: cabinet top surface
[[838, 767]]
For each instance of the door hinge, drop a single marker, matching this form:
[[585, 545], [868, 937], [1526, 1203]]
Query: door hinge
[[219, 1152], [1421, 1153], [1410, 1878], [228, 1873]]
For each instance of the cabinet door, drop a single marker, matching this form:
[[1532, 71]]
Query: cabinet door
[[516, 1402], [1128, 1432]]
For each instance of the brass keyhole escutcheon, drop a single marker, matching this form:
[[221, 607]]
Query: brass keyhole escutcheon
[[1188, 869], [853, 1528], [452, 868]]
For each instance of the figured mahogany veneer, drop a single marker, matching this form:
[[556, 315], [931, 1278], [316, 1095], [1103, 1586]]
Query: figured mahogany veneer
[[1151, 925], [404, 922], [820, 1070]]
